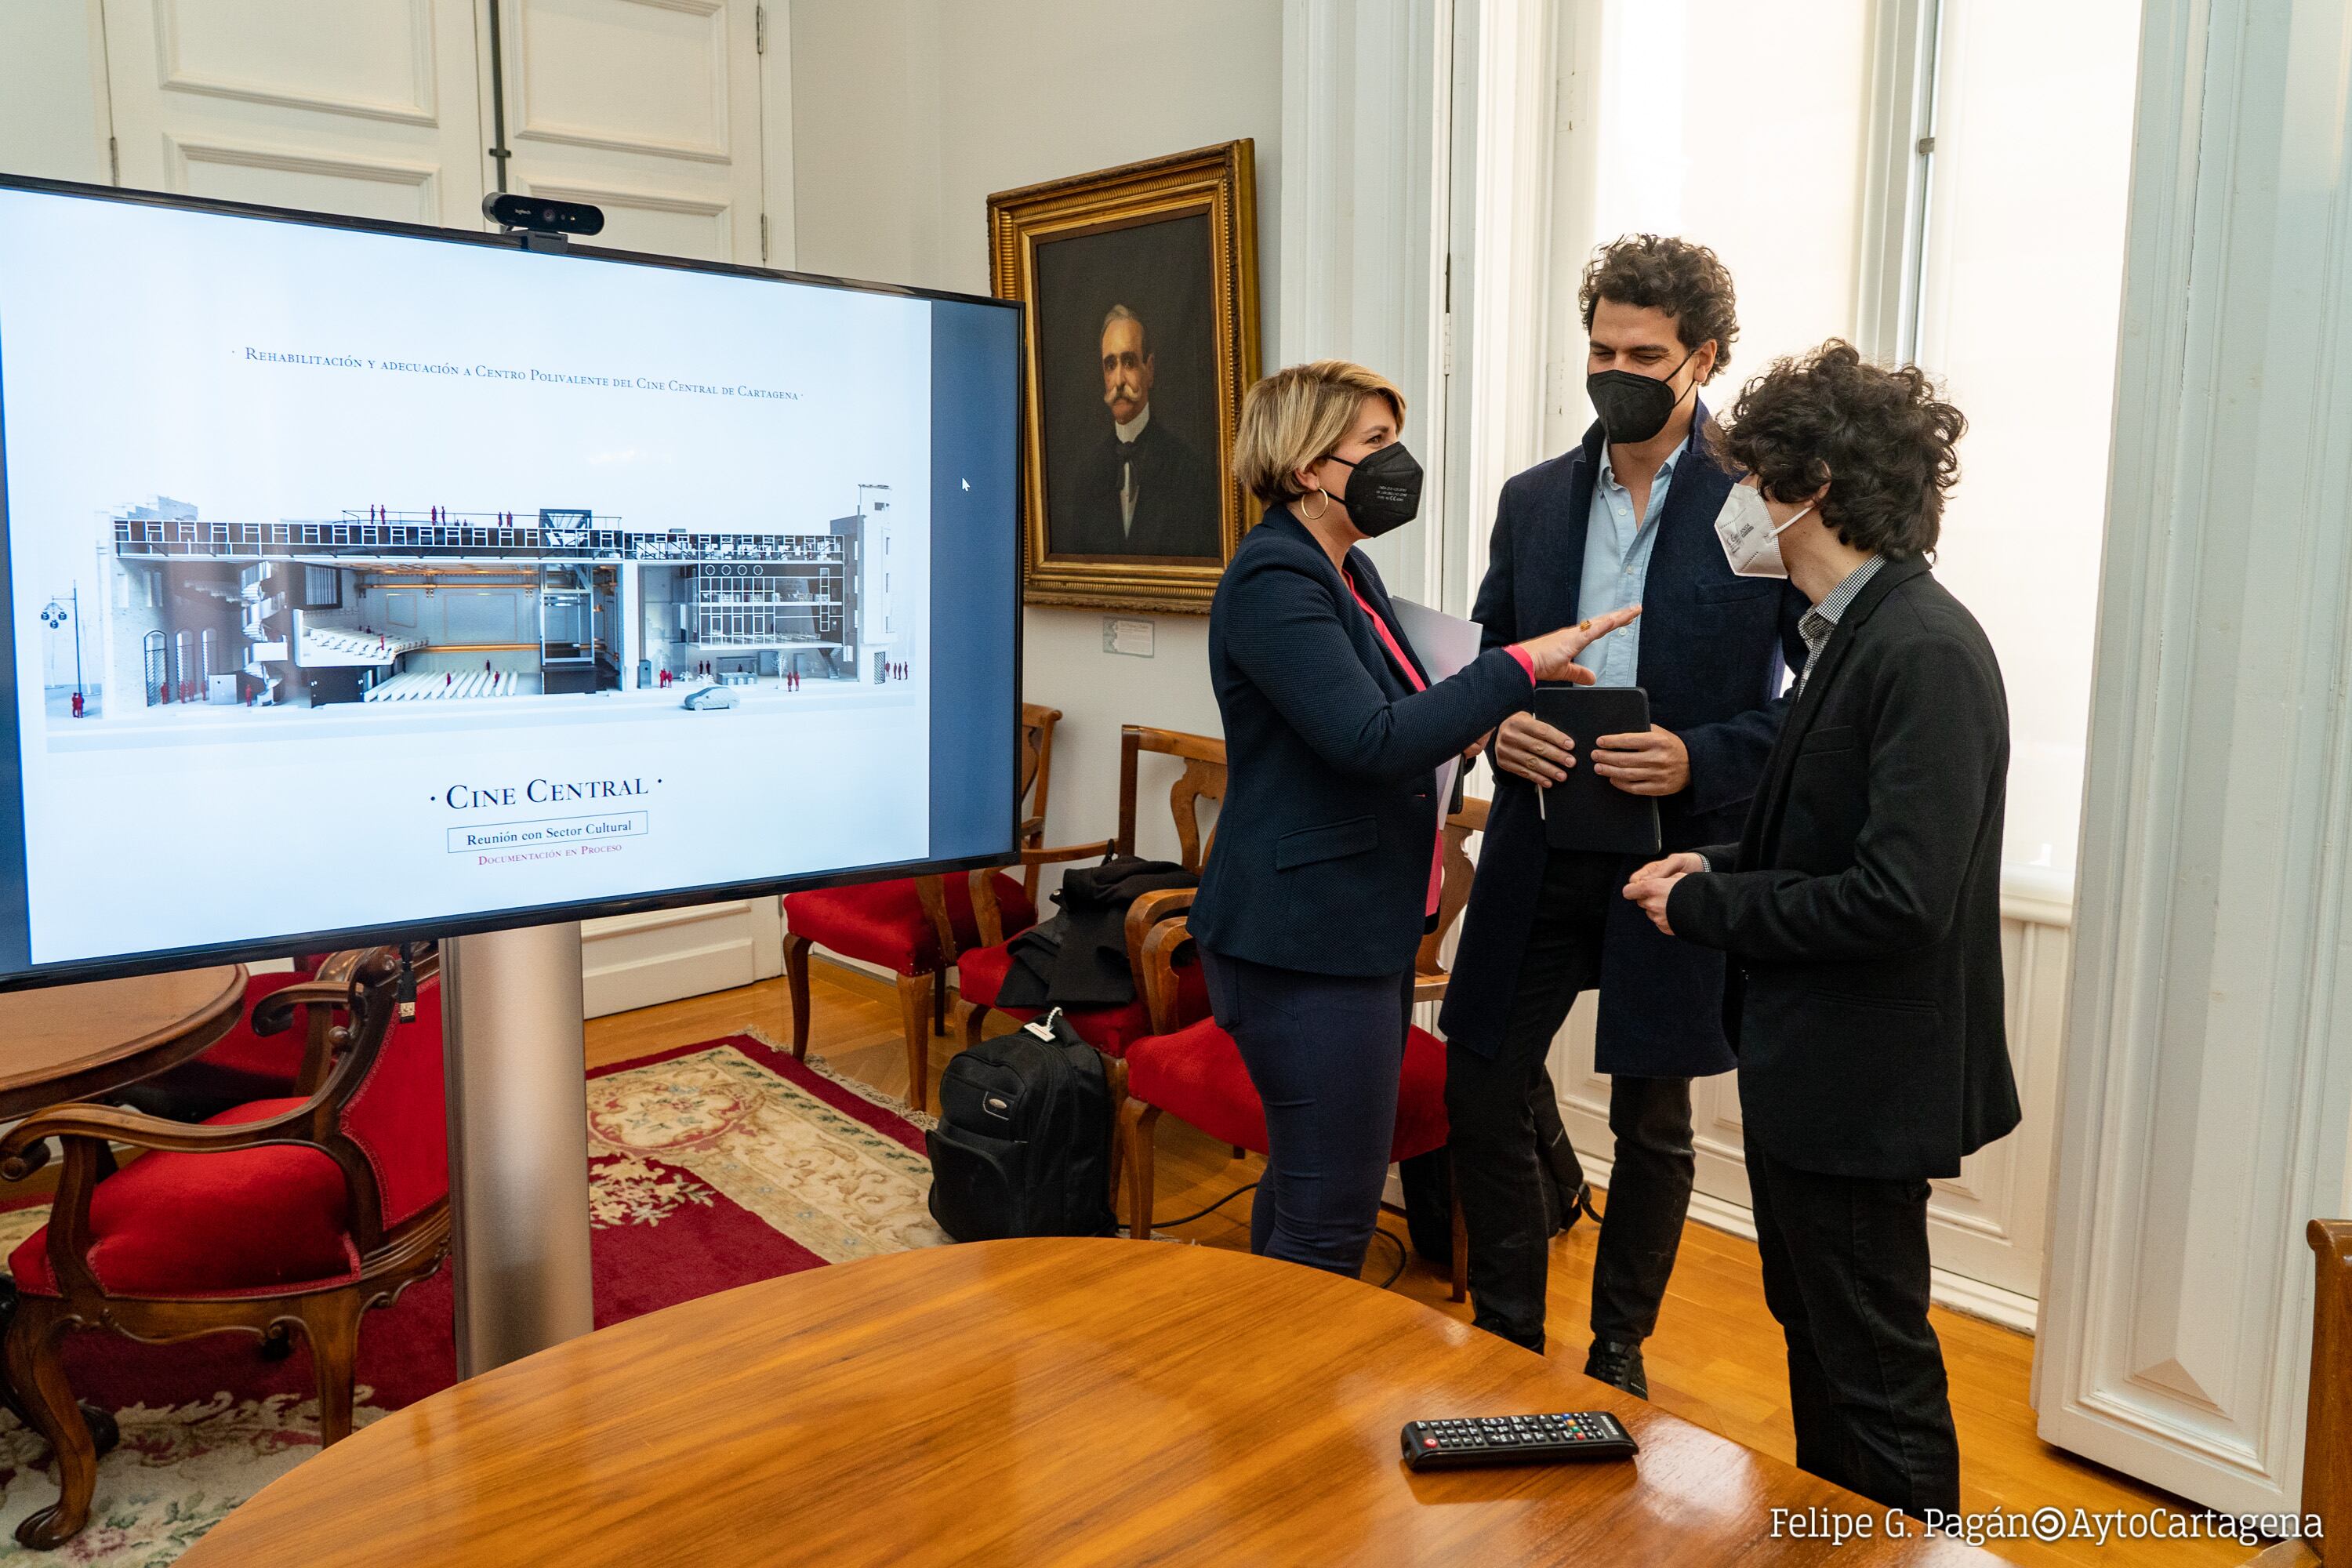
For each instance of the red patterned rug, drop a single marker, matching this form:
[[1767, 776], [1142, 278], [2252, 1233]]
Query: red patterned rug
[[710, 1166]]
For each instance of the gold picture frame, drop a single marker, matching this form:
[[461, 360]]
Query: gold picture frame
[[1140, 335]]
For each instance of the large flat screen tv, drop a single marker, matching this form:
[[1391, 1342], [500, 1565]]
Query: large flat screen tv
[[367, 580]]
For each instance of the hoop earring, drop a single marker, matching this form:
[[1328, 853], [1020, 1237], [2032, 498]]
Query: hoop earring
[[1315, 516]]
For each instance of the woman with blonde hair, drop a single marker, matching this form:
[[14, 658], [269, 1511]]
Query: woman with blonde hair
[[1326, 870]]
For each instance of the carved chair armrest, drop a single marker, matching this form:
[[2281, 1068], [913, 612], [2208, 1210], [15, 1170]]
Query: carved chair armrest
[[319, 999], [1159, 966], [25, 1148], [275, 1013], [985, 911], [1148, 911]]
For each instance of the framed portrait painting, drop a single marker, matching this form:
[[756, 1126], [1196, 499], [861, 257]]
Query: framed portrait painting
[[1142, 288]]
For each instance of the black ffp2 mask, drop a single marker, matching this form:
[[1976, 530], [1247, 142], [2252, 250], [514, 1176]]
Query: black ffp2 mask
[[1633, 407], [1384, 490]]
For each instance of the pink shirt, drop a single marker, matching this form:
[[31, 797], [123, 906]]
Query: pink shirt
[[1412, 678]]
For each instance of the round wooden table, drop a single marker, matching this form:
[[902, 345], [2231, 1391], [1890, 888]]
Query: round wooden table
[[1064, 1402], [77, 1042]]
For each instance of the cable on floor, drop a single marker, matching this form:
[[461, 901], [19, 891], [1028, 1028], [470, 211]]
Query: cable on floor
[[1159, 1224], [1398, 1272]]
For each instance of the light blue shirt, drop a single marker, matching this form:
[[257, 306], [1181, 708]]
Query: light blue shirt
[[1617, 549]]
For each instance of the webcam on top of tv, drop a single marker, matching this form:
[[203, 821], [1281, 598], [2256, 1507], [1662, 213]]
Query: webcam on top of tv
[[544, 223]]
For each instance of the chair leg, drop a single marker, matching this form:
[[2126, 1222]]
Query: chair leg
[[332, 1323], [968, 1017], [1460, 1239], [915, 1014], [37, 1374], [1136, 1122], [796, 981], [1115, 1080]]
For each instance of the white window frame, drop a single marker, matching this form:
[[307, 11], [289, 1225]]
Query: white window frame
[[1898, 175]]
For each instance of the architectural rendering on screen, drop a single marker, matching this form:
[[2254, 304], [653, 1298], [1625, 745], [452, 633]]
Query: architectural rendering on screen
[[380, 604]]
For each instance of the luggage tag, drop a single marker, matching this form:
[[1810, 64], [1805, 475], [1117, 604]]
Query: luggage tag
[[1044, 1028]]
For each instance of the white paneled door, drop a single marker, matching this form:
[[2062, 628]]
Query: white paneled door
[[652, 109], [671, 115], [370, 107]]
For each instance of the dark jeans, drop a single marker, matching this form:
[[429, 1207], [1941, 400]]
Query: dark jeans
[[1503, 1112], [1845, 1272], [1324, 1052]]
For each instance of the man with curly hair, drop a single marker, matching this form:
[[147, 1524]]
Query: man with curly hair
[[1625, 518], [1860, 909]]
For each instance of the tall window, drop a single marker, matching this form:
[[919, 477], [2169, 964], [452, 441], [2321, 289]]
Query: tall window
[[2019, 290], [1749, 126], [1738, 125]]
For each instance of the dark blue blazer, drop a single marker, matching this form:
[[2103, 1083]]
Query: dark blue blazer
[[1714, 646], [1330, 815]]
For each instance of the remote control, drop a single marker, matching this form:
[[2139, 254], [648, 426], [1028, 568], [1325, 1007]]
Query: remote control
[[1516, 1440]]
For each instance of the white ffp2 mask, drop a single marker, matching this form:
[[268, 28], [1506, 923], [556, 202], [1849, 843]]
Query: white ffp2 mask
[[1750, 541]]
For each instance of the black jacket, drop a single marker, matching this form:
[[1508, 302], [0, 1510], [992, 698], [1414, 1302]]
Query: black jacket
[[1078, 958], [1713, 645], [1323, 844], [1176, 511], [1861, 906]]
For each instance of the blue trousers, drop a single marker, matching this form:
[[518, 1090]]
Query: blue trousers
[[1324, 1052]]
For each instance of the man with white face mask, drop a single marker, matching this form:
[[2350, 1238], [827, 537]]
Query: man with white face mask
[[1625, 518], [1860, 909]]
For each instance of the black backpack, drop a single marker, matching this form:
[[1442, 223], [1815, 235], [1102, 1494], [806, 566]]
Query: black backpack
[[1023, 1147]]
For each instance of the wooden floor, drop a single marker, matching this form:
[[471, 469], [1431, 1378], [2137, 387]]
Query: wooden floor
[[1717, 1357]]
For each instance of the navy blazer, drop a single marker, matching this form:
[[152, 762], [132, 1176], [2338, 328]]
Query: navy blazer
[[1714, 648], [1324, 843]]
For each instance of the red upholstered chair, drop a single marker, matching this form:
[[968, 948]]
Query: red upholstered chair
[[915, 926], [245, 1065], [302, 1210], [1193, 1070], [980, 973]]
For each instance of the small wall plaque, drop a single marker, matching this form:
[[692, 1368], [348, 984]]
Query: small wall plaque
[[1121, 636]]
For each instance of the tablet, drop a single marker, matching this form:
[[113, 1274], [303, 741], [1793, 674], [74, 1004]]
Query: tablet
[[1585, 811]]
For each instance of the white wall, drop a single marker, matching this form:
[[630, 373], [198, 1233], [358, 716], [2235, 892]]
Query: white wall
[[906, 114], [51, 120]]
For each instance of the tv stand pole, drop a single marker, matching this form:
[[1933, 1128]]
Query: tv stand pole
[[511, 1015]]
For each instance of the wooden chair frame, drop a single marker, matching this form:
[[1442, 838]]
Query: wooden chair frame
[[2327, 1432], [923, 994], [1154, 954], [2328, 1435], [389, 1259], [1203, 778]]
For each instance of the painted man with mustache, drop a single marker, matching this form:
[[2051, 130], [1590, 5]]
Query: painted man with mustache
[[1142, 490]]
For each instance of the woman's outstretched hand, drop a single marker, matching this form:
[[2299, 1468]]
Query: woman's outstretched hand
[[1555, 652]]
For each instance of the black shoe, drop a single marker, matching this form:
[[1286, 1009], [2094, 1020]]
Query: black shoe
[[1618, 1365]]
